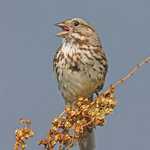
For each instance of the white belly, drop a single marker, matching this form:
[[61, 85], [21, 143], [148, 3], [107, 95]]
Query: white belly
[[77, 84]]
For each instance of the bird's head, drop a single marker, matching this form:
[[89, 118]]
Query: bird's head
[[76, 28]]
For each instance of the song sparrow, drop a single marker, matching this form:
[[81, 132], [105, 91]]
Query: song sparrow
[[80, 63]]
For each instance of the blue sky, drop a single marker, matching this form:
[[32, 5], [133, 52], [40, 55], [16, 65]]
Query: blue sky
[[27, 84]]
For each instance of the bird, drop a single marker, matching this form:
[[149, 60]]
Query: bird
[[80, 65]]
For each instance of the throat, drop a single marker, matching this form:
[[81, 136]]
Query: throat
[[69, 47]]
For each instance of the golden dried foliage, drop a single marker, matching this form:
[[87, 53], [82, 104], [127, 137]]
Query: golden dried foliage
[[23, 134], [77, 119]]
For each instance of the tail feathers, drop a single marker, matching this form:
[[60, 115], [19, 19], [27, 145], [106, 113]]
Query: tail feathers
[[88, 142]]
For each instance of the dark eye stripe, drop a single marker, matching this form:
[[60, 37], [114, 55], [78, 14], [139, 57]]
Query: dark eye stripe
[[76, 23]]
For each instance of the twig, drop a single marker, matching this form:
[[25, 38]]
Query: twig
[[131, 72], [23, 134]]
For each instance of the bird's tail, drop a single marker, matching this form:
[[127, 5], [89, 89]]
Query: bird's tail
[[88, 142]]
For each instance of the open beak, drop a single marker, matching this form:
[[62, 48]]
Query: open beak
[[64, 27]]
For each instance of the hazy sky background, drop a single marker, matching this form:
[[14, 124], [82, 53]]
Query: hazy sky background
[[28, 87]]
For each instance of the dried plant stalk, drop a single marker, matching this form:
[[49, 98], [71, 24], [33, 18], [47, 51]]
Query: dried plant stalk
[[78, 119], [23, 134], [131, 72]]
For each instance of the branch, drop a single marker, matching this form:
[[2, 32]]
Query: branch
[[131, 72], [23, 134], [75, 122]]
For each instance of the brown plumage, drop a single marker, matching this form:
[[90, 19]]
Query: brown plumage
[[80, 63]]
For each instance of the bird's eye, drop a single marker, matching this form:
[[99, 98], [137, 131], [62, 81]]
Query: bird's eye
[[76, 23]]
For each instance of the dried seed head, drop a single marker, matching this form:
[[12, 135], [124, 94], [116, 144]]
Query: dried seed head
[[77, 119]]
